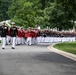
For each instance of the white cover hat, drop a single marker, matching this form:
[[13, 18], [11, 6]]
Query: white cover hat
[[13, 23], [3, 22]]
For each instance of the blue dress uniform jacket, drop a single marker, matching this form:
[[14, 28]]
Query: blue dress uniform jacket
[[13, 31], [3, 31]]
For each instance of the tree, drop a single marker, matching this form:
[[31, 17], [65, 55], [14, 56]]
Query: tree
[[24, 12], [69, 6], [52, 13], [4, 5]]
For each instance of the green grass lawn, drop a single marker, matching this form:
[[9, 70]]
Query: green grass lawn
[[67, 46]]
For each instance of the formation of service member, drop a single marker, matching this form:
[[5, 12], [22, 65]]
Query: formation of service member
[[20, 36], [4, 32], [13, 34], [32, 35]]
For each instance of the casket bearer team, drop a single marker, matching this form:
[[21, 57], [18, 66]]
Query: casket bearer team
[[13, 34], [4, 32]]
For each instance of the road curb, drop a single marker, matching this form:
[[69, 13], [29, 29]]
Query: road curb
[[65, 54]]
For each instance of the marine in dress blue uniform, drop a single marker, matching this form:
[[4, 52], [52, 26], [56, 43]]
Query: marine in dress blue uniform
[[13, 34], [4, 32]]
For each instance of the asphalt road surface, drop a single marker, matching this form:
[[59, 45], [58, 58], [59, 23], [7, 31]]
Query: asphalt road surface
[[34, 60]]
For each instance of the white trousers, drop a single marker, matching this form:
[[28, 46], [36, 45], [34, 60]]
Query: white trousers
[[29, 40], [13, 40], [32, 40], [22, 41], [3, 39], [18, 40], [8, 40], [35, 40]]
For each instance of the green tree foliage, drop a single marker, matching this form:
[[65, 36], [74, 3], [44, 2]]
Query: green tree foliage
[[69, 7], [51, 13], [24, 12], [57, 17], [4, 5], [60, 13]]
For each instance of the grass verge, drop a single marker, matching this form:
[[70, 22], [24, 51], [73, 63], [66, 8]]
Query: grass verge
[[67, 46]]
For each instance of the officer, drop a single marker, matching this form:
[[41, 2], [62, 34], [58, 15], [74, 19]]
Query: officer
[[4, 32], [13, 34]]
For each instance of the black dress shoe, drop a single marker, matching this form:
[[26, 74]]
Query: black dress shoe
[[13, 48], [3, 48]]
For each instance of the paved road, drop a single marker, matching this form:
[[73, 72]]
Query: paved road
[[34, 60]]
